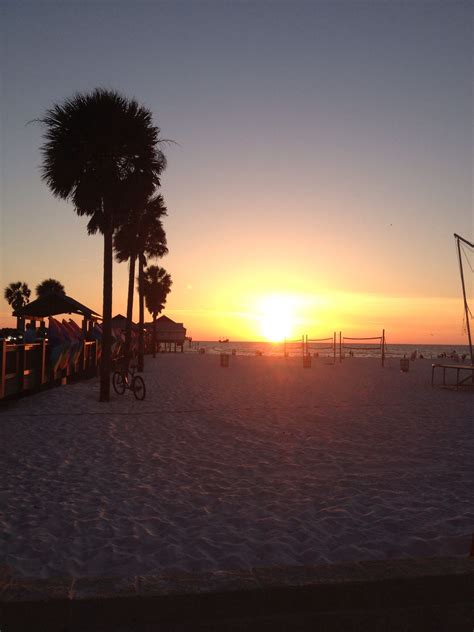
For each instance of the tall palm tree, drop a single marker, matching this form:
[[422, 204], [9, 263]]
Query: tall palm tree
[[151, 243], [143, 232], [157, 285], [50, 286], [101, 153]]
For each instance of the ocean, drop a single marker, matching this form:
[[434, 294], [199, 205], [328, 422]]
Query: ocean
[[361, 350]]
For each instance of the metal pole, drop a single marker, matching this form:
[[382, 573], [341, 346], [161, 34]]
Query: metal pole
[[466, 308], [383, 347], [334, 350], [340, 346]]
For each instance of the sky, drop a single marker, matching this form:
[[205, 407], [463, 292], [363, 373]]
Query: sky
[[322, 158]]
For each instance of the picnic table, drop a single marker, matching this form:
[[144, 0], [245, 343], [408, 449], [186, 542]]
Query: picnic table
[[454, 367]]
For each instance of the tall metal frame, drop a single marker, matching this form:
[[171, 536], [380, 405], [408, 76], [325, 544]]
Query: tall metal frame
[[458, 239]]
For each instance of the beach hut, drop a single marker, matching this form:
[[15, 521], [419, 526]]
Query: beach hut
[[169, 334], [120, 322], [53, 304], [119, 327], [67, 351]]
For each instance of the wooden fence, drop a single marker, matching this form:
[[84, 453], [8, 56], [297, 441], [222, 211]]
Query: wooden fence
[[26, 367]]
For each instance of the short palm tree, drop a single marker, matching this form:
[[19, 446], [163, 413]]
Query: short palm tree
[[101, 153], [143, 235], [17, 295], [156, 286], [50, 286]]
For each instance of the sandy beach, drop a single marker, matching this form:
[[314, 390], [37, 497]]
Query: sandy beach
[[262, 463]]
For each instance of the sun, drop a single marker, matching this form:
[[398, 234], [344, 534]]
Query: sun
[[277, 318]]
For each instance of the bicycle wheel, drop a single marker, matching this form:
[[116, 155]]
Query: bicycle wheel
[[118, 383], [138, 387]]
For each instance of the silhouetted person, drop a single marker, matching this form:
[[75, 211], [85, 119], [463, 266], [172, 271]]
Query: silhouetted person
[[30, 333]]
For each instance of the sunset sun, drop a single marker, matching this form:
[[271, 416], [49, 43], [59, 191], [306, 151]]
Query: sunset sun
[[277, 318]]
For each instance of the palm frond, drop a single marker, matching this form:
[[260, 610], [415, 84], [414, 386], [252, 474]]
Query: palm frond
[[101, 150]]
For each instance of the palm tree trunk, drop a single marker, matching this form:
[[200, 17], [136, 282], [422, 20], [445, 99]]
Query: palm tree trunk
[[154, 334], [128, 326], [106, 360], [141, 295]]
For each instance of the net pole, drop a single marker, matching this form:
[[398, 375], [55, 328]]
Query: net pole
[[466, 308], [302, 344], [334, 347], [340, 346], [383, 347]]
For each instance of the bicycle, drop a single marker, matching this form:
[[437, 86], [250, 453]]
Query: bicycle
[[126, 379]]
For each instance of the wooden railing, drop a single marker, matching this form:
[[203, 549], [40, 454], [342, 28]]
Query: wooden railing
[[26, 367]]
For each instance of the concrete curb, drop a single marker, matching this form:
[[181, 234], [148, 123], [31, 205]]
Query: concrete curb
[[410, 594]]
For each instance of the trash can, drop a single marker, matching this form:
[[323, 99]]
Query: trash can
[[224, 359], [306, 361], [404, 364], [201, 350], [233, 351]]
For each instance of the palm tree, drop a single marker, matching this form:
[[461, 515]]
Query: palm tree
[[151, 243], [143, 233], [157, 285], [50, 286], [101, 153], [17, 295]]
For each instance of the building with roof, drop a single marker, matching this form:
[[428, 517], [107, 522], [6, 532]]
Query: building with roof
[[169, 334], [53, 304], [120, 322]]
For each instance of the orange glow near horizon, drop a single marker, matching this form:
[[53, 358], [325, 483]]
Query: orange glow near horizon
[[249, 309], [253, 314]]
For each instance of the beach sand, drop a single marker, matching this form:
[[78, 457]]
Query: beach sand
[[262, 463]]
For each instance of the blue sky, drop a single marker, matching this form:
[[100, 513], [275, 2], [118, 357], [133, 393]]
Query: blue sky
[[322, 146]]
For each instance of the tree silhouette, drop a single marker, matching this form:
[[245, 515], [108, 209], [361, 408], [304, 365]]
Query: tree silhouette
[[101, 153], [17, 295], [142, 236], [156, 287], [50, 286]]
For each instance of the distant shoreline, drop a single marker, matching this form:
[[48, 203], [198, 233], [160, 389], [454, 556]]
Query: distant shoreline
[[453, 345]]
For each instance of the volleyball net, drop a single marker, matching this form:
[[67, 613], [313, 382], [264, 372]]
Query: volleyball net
[[376, 344], [348, 345], [318, 345], [294, 346]]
